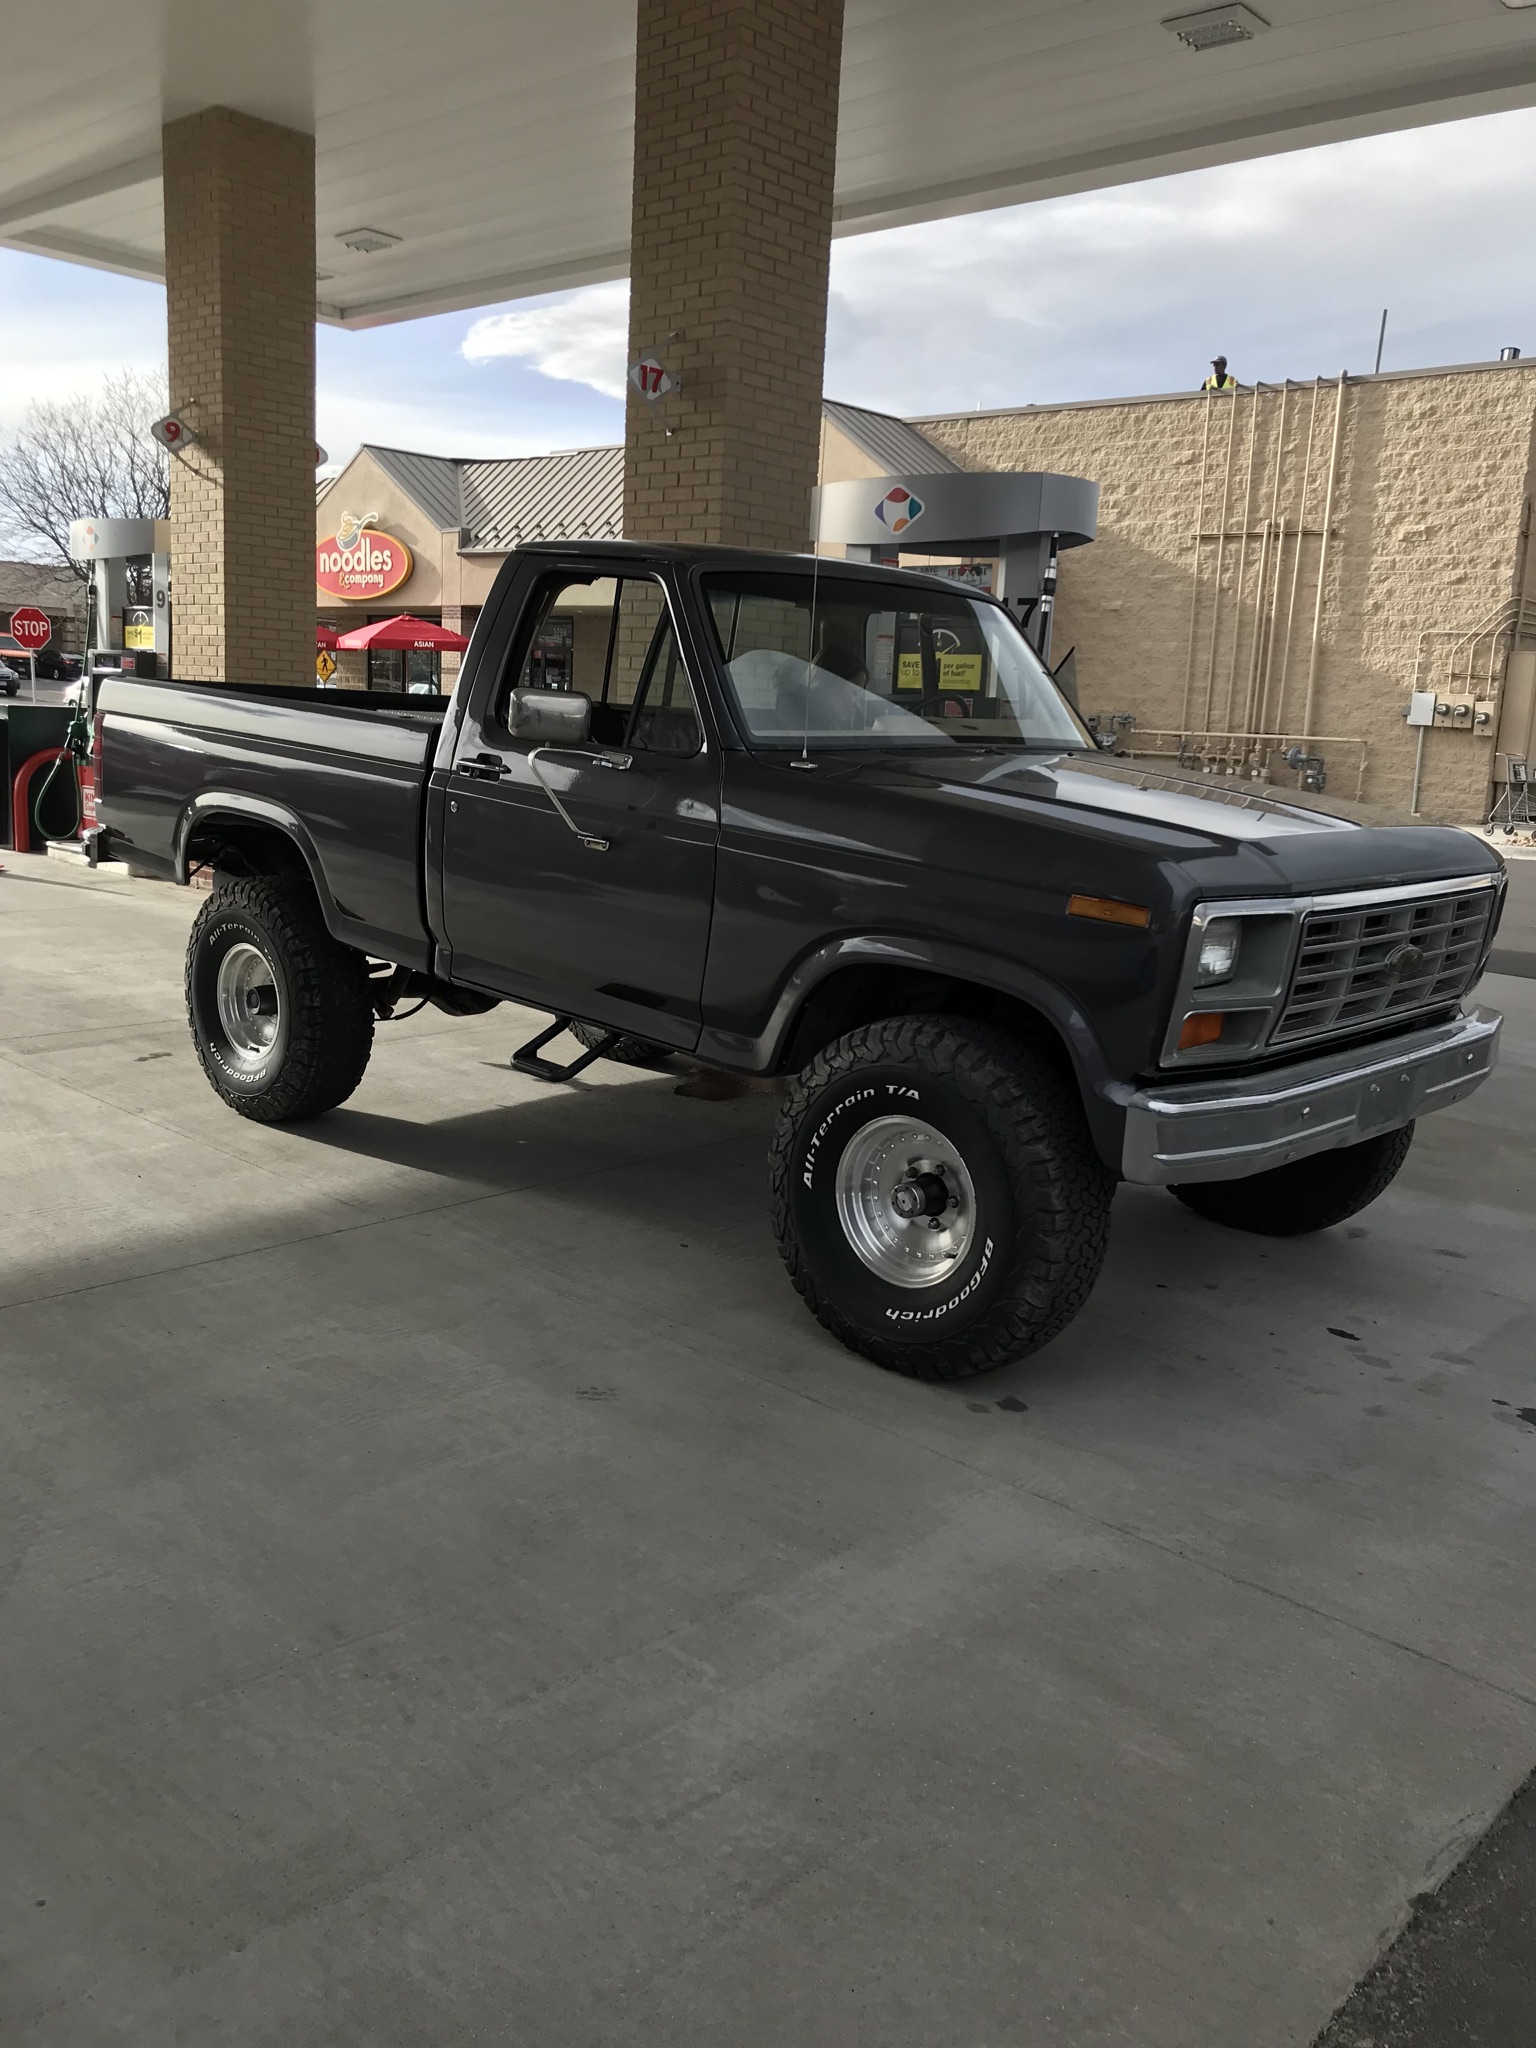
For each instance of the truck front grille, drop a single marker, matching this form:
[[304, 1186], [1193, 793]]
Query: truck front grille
[[1386, 960]]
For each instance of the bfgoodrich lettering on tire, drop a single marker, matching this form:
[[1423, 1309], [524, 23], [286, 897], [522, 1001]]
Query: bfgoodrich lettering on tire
[[936, 1196], [280, 1013]]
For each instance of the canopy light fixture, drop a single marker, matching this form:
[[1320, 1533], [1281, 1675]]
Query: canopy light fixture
[[367, 241], [1212, 27]]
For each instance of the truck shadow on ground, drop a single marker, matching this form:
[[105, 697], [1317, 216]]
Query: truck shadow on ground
[[570, 1132], [1179, 1298]]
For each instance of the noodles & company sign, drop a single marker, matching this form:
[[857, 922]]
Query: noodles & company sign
[[358, 563]]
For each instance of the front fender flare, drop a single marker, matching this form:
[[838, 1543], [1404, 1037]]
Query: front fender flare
[[759, 1053]]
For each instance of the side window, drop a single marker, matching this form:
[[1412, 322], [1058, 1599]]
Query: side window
[[665, 719], [611, 640], [569, 646]]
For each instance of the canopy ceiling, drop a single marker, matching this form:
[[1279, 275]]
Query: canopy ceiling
[[494, 139]]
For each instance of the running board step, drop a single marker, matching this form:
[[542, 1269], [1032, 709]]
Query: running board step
[[526, 1060]]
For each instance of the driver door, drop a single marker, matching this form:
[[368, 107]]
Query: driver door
[[581, 878]]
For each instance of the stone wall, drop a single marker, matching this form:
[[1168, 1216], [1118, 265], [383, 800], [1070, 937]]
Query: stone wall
[[1427, 544]]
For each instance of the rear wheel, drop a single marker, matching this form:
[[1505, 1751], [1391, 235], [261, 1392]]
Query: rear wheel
[[280, 1012], [936, 1196], [1309, 1194]]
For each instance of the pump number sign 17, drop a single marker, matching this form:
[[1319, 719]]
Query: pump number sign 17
[[31, 628], [651, 378]]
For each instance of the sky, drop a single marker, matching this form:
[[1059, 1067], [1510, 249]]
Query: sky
[[1284, 264]]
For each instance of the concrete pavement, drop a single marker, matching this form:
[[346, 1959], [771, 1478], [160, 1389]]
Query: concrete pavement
[[455, 1594]]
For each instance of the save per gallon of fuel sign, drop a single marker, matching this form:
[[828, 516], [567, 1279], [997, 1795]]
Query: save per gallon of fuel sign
[[360, 563]]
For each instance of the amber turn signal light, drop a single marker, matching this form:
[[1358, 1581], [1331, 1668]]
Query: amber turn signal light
[[1108, 911], [1203, 1028]]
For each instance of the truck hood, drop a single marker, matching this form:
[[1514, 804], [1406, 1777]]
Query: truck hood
[[1185, 803], [1251, 842]]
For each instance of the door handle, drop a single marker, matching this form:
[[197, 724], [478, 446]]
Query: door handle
[[483, 768]]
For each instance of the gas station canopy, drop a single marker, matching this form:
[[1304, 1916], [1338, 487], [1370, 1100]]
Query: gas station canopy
[[470, 152]]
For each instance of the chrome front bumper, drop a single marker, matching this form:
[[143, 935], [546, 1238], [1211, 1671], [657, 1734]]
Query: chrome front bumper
[[1215, 1129]]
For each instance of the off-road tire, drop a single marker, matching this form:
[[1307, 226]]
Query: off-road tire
[[322, 985], [627, 1050], [1043, 1194], [1309, 1194]]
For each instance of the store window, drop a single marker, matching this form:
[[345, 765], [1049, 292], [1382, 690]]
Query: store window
[[411, 671]]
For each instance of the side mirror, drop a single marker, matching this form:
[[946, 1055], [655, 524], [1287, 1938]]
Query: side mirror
[[550, 718], [1106, 742]]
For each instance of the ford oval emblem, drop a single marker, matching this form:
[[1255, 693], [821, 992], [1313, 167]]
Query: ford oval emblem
[[1404, 959]]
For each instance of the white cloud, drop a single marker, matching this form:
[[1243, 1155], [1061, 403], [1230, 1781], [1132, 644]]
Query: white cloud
[[1283, 263], [577, 337]]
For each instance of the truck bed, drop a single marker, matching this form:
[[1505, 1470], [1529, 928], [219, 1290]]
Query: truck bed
[[348, 768]]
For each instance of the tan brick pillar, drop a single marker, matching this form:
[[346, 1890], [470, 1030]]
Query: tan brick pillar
[[735, 147], [240, 318]]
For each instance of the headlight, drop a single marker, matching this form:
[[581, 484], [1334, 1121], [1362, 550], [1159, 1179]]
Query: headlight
[[1218, 951]]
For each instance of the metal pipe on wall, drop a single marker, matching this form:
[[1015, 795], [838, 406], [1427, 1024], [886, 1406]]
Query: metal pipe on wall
[[1264, 637], [1194, 582], [1242, 555], [1221, 551], [1301, 535], [1322, 560]]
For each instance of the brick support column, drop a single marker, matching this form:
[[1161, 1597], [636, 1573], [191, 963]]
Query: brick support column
[[735, 148], [240, 318]]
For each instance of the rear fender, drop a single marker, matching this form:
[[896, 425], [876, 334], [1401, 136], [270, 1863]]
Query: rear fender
[[209, 806]]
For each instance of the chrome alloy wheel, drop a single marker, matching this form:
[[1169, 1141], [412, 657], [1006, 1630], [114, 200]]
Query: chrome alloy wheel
[[250, 1006], [905, 1201]]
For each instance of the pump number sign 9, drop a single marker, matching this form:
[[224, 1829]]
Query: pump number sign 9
[[31, 628]]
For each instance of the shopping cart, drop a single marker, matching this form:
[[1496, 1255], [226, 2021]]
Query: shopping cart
[[1513, 809]]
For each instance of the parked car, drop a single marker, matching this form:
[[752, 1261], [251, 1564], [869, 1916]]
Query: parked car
[[56, 667], [835, 823]]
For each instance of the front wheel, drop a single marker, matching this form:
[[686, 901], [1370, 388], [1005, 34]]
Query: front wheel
[[280, 1012], [936, 1196], [1309, 1194]]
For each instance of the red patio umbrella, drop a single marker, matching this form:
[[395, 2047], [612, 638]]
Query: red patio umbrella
[[326, 636], [404, 632]]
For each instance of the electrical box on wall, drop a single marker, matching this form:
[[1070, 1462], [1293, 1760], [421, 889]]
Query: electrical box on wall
[[1462, 712], [1453, 711]]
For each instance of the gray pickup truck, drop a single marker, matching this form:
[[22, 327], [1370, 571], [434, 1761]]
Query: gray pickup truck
[[835, 823]]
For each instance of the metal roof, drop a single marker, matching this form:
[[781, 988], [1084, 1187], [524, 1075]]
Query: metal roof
[[430, 481], [576, 495], [888, 440], [497, 502]]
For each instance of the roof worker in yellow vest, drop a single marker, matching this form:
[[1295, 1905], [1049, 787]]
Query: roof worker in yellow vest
[[1218, 379]]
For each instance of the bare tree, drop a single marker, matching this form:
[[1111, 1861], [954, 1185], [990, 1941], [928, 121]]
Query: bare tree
[[89, 457]]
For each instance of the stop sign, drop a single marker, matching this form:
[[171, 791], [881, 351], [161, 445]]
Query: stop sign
[[31, 628]]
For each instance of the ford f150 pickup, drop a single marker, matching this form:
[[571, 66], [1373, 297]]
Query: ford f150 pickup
[[836, 823]]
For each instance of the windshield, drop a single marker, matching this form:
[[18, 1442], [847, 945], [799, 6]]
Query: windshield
[[880, 665]]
